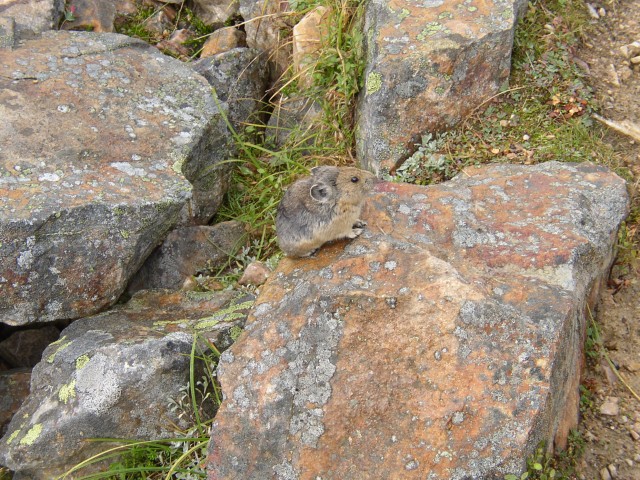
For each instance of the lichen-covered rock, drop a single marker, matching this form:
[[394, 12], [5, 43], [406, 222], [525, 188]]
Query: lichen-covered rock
[[187, 251], [428, 65], [106, 145], [239, 78], [444, 343], [114, 376], [32, 16]]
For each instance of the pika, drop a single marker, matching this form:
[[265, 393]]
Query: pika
[[323, 207]]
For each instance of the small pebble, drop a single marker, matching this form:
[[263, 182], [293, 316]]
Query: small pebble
[[604, 474], [629, 462], [637, 458], [634, 435], [610, 406], [613, 471], [256, 274]]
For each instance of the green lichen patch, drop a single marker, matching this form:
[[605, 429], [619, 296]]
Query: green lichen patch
[[67, 392], [234, 332], [224, 315], [374, 82], [431, 29], [13, 436], [82, 361], [404, 13], [164, 323], [52, 357], [177, 165], [32, 435]]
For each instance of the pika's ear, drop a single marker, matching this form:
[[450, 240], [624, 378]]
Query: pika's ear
[[321, 192], [315, 170]]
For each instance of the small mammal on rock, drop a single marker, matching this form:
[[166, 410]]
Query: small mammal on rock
[[323, 207]]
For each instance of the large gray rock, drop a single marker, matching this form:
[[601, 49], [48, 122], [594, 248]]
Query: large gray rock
[[32, 16], [106, 145], [428, 65], [114, 376], [239, 77], [445, 342]]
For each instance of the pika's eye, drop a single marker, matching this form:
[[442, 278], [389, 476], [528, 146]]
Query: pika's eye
[[355, 179]]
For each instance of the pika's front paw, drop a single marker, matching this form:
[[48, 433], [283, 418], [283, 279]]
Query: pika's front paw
[[357, 229]]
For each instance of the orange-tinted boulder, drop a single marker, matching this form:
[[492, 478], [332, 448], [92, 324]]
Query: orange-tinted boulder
[[444, 343]]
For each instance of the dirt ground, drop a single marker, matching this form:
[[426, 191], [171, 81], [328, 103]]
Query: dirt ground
[[612, 435]]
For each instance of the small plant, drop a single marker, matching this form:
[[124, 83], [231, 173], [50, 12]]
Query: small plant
[[427, 165], [181, 457]]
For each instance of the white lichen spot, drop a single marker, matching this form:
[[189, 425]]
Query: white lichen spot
[[32, 435], [64, 108], [126, 167], [97, 386], [49, 177], [390, 265], [67, 392]]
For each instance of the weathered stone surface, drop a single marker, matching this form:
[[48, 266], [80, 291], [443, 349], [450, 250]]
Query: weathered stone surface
[[428, 65], [92, 15], [239, 78], [7, 32], [187, 251], [442, 343], [14, 388], [113, 375], [308, 35], [265, 21], [24, 348], [106, 145], [32, 16], [216, 11], [223, 40]]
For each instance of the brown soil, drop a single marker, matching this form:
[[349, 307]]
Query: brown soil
[[609, 439]]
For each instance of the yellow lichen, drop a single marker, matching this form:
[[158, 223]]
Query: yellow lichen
[[226, 314], [52, 357], [81, 361], [32, 435], [374, 82], [67, 392], [13, 436]]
